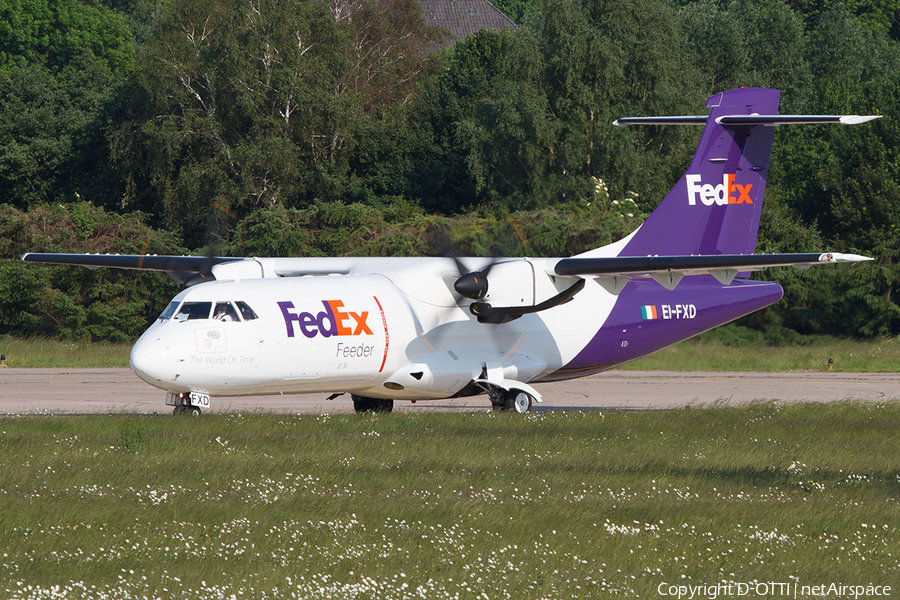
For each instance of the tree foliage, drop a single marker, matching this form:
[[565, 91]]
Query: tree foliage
[[309, 127], [51, 32], [73, 302], [252, 104], [52, 145]]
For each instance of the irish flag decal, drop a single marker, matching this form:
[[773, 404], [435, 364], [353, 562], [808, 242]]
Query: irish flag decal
[[649, 312]]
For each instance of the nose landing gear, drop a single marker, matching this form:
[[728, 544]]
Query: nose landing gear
[[183, 404], [363, 404]]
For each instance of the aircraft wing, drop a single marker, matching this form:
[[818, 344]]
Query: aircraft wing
[[181, 268], [150, 262], [668, 270], [203, 268]]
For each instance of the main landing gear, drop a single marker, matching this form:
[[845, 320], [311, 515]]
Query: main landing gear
[[517, 400], [363, 404]]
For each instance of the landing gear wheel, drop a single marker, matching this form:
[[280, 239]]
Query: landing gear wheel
[[185, 409], [518, 400], [363, 404], [498, 399]]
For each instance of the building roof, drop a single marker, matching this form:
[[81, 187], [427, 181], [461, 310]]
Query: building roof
[[462, 18]]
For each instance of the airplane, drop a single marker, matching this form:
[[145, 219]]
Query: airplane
[[414, 329]]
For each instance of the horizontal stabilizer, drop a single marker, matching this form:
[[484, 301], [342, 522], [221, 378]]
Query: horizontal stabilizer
[[776, 120], [750, 120], [717, 265], [693, 120]]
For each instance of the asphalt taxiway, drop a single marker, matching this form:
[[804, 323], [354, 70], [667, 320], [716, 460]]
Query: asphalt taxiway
[[87, 391]]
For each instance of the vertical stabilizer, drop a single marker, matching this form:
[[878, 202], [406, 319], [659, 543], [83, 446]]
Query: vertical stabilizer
[[715, 206]]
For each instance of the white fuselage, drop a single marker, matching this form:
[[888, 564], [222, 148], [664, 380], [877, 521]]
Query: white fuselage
[[388, 328]]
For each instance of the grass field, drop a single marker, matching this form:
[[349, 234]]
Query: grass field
[[441, 505], [707, 353], [43, 352]]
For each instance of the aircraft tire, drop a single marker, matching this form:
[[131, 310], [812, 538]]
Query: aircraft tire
[[518, 400], [363, 404], [194, 411]]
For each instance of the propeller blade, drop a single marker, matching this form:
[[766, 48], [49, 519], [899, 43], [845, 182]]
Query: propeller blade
[[460, 267]]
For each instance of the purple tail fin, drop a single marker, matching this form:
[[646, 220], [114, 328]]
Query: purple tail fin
[[715, 207]]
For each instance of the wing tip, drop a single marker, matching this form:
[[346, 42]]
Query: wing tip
[[858, 120], [841, 257]]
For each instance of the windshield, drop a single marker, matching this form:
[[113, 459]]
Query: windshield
[[246, 311], [194, 310], [170, 310], [225, 312]]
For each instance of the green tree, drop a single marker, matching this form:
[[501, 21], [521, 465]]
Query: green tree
[[333, 229], [845, 178], [51, 136], [881, 18], [524, 118], [242, 109], [253, 104], [518, 10], [749, 43], [52, 32], [602, 65], [390, 51], [74, 302]]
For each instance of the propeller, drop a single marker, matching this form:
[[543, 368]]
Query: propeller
[[475, 284], [206, 274], [472, 284], [216, 229]]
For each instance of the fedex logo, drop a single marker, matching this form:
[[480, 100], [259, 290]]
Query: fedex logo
[[727, 192], [333, 320]]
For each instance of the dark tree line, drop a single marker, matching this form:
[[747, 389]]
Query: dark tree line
[[277, 127]]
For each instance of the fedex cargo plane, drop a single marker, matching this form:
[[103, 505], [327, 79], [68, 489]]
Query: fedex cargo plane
[[411, 329]]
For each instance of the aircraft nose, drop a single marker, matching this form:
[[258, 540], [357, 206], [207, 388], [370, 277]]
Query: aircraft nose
[[147, 360]]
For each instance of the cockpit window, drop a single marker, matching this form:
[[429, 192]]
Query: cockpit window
[[170, 310], [246, 311], [191, 311], [225, 312]]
